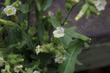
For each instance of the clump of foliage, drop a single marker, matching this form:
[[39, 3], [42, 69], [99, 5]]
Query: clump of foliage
[[46, 46]]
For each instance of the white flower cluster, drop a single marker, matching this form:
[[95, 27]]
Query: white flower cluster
[[38, 49], [18, 68], [59, 58], [100, 4], [9, 10], [36, 71], [59, 32]]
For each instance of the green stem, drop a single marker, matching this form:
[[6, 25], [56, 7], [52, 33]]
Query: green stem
[[68, 14], [39, 25], [7, 22]]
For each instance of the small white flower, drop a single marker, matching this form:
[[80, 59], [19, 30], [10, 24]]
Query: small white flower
[[18, 68], [50, 13], [60, 58], [100, 4], [36, 71], [59, 32], [9, 10], [38, 49], [2, 61]]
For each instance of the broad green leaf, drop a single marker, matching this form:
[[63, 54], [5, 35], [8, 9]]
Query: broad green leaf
[[69, 64]]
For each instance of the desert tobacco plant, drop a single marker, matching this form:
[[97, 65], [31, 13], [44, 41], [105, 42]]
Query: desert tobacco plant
[[46, 45]]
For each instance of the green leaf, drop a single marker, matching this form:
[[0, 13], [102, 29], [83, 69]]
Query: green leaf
[[18, 45], [69, 64], [88, 13], [24, 8], [74, 34], [48, 4], [54, 22], [16, 3], [29, 70], [24, 25], [66, 40], [41, 32], [55, 19], [7, 22], [14, 35], [14, 58], [32, 31], [70, 35], [7, 68], [38, 6], [94, 10], [7, 2]]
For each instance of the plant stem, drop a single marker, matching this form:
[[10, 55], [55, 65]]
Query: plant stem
[[68, 14]]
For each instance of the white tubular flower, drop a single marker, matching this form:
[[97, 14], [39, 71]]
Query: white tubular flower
[[38, 49], [18, 68], [100, 4], [36, 71], [9, 10], [59, 32], [60, 58], [2, 61]]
